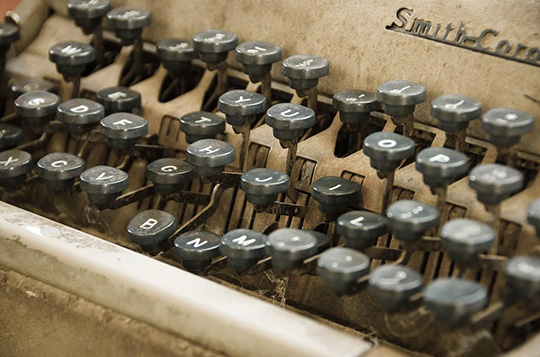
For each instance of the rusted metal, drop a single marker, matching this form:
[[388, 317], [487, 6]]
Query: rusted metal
[[283, 209]]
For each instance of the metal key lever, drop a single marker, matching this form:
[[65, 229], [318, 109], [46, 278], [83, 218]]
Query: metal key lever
[[50, 128]]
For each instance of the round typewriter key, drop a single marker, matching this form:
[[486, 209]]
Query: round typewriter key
[[128, 22], [494, 183], [465, 239], [454, 112], [12, 136], [263, 185], [214, 45], [506, 126], [354, 106], [37, 107], [14, 165], [210, 156], [119, 99], [103, 183], [175, 54], [8, 34], [20, 86], [257, 57], [169, 175], [523, 278], [323, 241], [453, 300], [441, 166], [71, 57], [123, 129], [386, 151], [341, 267], [241, 107], [150, 229], [243, 247], [288, 247], [392, 285], [88, 13], [409, 219], [399, 97], [80, 115], [59, 170], [304, 71], [201, 125], [289, 121], [335, 194], [361, 228], [533, 215], [196, 249]]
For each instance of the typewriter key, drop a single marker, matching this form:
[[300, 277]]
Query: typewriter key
[[210, 156], [409, 219], [399, 97], [241, 107], [128, 22], [454, 112], [201, 125], [289, 121], [88, 13], [14, 165], [80, 115], [323, 241], [169, 174], [257, 57], [71, 57], [214, 45], [393, 285], [37, 107], [304, 71], [150, 229], [335, 194], [122, 130], [355, 106], [506, 126], [288, 247], [465, 239], [453, 299], [196, 249], [12, 136], [441, 166], [59, 170], [523, 278], [8, 34], [243, 247], [533, 215], [361, 228], [494, 183], [20, 86], [103, 183], [263, 185], [341, 268], [386, 151], [175, 54], [119, 99]]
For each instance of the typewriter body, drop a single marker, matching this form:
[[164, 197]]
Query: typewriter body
[[363, 181]]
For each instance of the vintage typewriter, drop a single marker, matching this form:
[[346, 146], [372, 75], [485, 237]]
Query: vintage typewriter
[[284, 178]]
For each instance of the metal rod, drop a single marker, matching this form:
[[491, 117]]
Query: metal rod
[[75, 86], [441, 193], [461, 144], [99, 46], [266, 88], [138, 56], [223, 79], [195, 198], [8, 118], [388, 177], [282, 209], [36, 144], [129, 198], [495, 210], [245, 131]]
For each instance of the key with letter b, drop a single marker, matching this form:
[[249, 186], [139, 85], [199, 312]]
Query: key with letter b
[[150, 229]]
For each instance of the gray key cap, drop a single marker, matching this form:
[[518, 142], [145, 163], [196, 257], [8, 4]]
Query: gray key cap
[[289, 121], [176, 54], [59, 170], [71, 57], [201, 125], [20, 86], [355, 106], [361, 229], [80, 115], [409, 219], [150, 229], [335, 194], [533, 215], [196, 249], [304, 71], [453, 299], [119, 99], [341, 267], [14, 165], [12, 136], [9, 33], [399, 97], [441, 166], [128, 22], [494, 183], [37, 107], [169, 175], [88, 13], [393, 285], [210, 156], [243, 247], [465, 238], [263, 185], [323, 241], [288, 247], [386, 151], [241, 107], [454, 112], [523, 278], [257, 57], [103, 183], [506, 126], [214, 45], [123, 129]]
